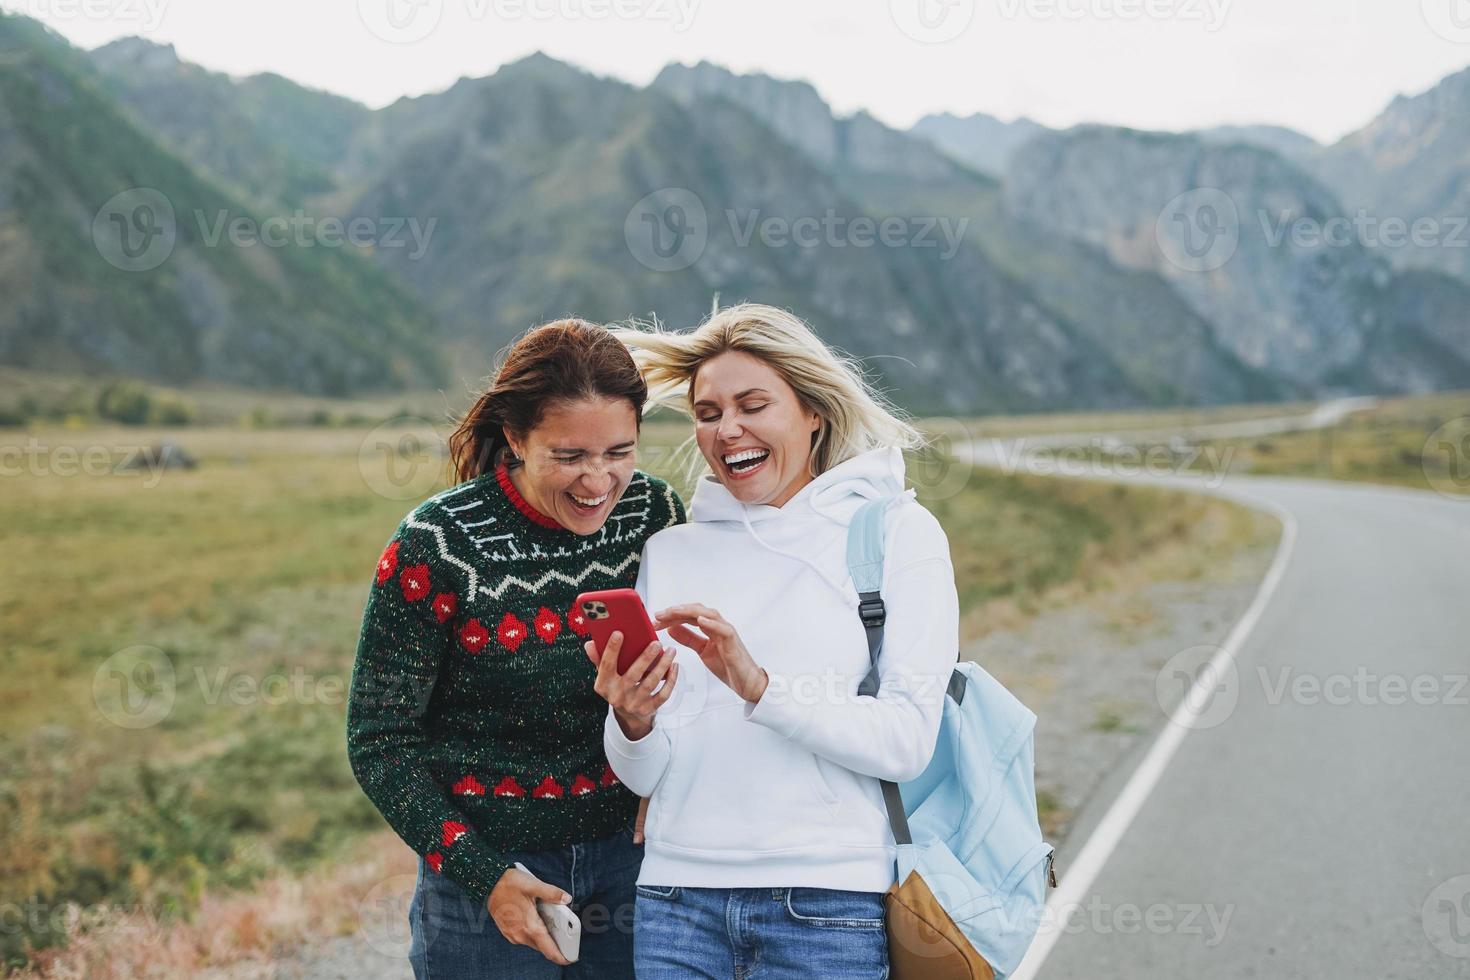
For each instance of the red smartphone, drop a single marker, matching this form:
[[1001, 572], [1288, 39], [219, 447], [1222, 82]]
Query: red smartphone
[[621, 610]]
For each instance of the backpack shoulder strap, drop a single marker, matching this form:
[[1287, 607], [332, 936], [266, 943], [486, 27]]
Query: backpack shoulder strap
[[865, 565]]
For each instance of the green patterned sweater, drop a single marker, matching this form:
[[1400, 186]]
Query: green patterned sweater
[[472, 724]]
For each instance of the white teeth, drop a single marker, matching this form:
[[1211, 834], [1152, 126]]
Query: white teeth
[[743, 456], [588, 501]]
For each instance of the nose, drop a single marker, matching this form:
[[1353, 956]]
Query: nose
[[597, 479], [729, 430]]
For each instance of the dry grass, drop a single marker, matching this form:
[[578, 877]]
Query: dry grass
[[283, 913]]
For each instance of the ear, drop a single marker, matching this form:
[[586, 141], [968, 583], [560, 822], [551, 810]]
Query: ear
[[516, 443]]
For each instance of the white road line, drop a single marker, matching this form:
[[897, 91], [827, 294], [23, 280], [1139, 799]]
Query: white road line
[[1078, 879]]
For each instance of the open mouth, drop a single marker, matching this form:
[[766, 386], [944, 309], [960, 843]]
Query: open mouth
[[588, 505], [742, 464]]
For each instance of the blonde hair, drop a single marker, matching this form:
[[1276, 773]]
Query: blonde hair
[[855, 418]]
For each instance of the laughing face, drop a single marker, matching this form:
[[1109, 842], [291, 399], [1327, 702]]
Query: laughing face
[[752, 428], [578, 461]]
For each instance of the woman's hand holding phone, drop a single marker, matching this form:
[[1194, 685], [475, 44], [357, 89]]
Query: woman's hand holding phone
[[635, 694], [512, 904]]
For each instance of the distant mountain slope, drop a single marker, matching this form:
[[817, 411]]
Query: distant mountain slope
[[314, 319], [1164, 351], [543, 167], [265, 137], [1213, 221], [1411, 165], [1278, 139], [1018, 268], [980, 141]]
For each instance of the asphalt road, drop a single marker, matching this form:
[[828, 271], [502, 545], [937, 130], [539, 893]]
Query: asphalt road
[[1305, 811]]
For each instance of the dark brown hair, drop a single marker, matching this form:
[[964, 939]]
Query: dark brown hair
[[563, 361]]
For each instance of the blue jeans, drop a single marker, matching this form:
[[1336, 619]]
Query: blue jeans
[[453, 936], [765, 933]]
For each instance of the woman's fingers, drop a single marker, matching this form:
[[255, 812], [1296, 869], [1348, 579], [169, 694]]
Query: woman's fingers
[[687, 613], [537, 936], [656, 673], [634, 674], [638, 821], [716, 627], [667, 690], [688, 638]]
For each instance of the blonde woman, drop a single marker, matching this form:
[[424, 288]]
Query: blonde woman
[[766, 844]]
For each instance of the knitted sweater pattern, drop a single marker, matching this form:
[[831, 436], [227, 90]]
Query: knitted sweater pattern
[[472, 723]]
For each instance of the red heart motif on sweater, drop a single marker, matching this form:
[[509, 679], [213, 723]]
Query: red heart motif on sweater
[[469, 786], [453, 832], [512, 631], [509, 787], [577, 621], [473, 636], [388, 562], [549, 789], [435, 860], [445, 605], [548, 625], [581, 786], [608, 778], [415, 582]]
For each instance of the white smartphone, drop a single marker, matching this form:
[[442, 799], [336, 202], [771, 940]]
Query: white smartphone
[[561, 922]]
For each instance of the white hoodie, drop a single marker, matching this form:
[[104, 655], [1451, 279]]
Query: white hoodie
[[784, 793]]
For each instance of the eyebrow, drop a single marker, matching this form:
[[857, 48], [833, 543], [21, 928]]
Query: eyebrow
[[621, 445], [743, 394]]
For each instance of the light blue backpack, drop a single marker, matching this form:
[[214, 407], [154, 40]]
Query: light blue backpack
[[972, 866]]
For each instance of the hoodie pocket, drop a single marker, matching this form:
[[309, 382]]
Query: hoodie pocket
[[822, 786]]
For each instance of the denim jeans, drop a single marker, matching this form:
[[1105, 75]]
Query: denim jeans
[[454, 937], [762, 933]]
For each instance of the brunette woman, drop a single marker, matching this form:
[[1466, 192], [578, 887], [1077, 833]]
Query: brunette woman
[[473, 724]]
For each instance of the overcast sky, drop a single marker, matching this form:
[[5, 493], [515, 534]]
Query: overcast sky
[[1324, 67]]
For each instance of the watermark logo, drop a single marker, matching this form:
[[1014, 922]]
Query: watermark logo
[[1446, 917], [1109, 457], [932, 21], [1204, 686], [667, 230], [139, 16], [1364, 230], [1446, 458], [411, 21], [383, 916], [835, 230], [401, 21], [136, 231], [135, 687], [1450, 19], [403, 458], [1199, 230], [1211, 13]]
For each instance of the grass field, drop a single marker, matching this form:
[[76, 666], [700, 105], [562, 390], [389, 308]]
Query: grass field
[[225, 600], [1421, 442]]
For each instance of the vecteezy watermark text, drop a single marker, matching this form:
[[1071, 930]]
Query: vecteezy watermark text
[[139, 229]]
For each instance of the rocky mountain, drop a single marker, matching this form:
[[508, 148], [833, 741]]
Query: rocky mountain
[[1089, 275], [271, 140], [979, 141], [1217, 222], [115, 255], [1410, 165], [1278, 139], [1164, 351], [857, 144], [571, 182]]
